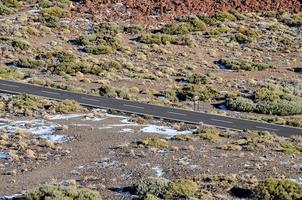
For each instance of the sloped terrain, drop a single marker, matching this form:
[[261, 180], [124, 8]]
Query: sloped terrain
[[146, 10]]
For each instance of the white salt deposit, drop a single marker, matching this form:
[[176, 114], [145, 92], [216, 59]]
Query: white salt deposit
[[165, 130]]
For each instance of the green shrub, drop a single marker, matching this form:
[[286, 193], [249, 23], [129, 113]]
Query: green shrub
[[60, 192], [295, 122], [100, 49], [152, 185], [16, 43], [133, 29], [217, 31], [154, 142], [23, 104], [280, 107], [211, 134], [182, 188], [55, 12], [242, 39], [224, 16], [27, 62], [10, 73], [104, 40], [190, 91], [68, 106], [2, 105], [241, 104], [4, 10], [150, 39], [284, 189], [238, 64], [151, 197], [177, 28], [237, 14], [293, 21]]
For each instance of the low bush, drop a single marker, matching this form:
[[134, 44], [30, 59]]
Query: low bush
[[60, 192], [190, 91], [184, 25], [294, 20], [241, 104], [224, 16], [211, 134], [16, 43], [156, 186], [182, 188], [279, 189], [104, 40], [238, 64], [109, 91], [134, 29], [10, 73], [154, 142], [68, 106], [27, 62], [23, 104]]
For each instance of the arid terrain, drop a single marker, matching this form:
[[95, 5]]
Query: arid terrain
[[236, 58]]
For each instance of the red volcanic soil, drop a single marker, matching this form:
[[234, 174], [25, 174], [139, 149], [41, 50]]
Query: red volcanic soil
[[146, 10]]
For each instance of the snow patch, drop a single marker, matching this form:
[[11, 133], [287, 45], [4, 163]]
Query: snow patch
[[159, 171], [165, 130]]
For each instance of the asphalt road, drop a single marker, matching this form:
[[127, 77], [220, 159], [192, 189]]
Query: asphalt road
[[147, 109]]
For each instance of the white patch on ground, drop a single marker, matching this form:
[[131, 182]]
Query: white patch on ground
[[12, 197], [39, 127], [4, 155], [158, 170], [94, 119], [126, 130], [165, 130], [66, 116]]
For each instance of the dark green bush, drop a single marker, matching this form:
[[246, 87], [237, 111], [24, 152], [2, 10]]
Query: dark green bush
[[16, 43], [241, 104], [275, 189], [152, 185], [103, 40], [27, 62], [60, 192]]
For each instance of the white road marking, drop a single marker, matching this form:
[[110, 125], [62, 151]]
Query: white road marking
[[224, 121], [175, 113], [96, 100], [9, 85], [133, 106], [56, 93], [271, 129]]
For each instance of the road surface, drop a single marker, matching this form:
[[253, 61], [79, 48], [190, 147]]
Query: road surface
[[170, 113]]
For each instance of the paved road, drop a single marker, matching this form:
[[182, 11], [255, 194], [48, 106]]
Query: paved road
[[147, 109]]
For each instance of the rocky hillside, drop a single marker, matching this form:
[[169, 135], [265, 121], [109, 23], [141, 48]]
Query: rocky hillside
[[146, 10]]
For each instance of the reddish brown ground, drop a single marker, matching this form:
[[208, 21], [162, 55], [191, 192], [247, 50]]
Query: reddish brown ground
[[146, 10]]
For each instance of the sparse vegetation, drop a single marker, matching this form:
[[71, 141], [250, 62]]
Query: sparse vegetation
[[156, 186], [182, 188], [154, 142], [279, 189], [24, 104], [237, 65], [60, 192], [10, 73], [68, 106]]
